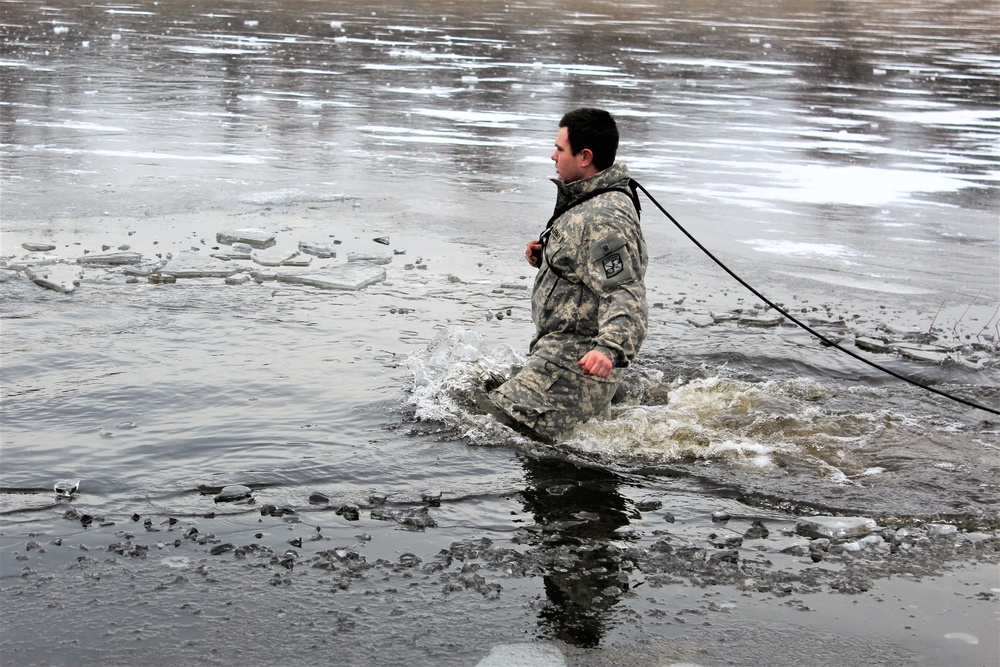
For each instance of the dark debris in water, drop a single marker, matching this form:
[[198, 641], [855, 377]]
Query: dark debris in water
[[842, 555], [590, 574]]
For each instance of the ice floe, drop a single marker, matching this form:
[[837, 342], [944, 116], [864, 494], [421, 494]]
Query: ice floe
[[352, 276], [255, 238], [111, 259], [835, 526], [59, 277], [191, 264]]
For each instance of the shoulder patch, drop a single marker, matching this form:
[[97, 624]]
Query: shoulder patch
[[612, 265], [611, 261]]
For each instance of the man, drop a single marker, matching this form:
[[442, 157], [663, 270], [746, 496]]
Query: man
[[589, 299]]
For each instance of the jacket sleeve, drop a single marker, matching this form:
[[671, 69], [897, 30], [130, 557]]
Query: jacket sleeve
[[616, 267]]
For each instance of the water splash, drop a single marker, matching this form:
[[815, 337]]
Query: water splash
[[754, 425], [763, 426], [452, 373]]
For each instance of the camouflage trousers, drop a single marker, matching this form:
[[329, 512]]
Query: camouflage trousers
[[548, 400]]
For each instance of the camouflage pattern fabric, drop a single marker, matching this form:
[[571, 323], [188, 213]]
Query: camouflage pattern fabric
[[549, 399], [589, 294]]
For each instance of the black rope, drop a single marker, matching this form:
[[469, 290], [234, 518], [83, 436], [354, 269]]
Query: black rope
[[805, 326]]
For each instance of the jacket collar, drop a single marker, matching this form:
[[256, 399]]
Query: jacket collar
[[615, 175]]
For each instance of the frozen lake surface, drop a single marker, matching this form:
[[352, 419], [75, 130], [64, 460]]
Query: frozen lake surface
[[842, 159]]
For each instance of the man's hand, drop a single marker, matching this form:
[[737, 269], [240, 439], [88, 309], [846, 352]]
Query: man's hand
[[533, 253], [596, 363]]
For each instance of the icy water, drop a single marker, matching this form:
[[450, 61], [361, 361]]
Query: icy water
[[841, 157]]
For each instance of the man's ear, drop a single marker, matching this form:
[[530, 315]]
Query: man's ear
[[588, 157]]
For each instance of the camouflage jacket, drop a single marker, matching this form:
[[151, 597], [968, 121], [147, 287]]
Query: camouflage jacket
[[590, 292]]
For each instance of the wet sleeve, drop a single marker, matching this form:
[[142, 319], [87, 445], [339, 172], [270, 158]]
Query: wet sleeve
[[615, 274]]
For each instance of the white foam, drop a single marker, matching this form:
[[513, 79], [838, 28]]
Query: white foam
[[955, 118], [435, 91], [446, 372], [410, 135], [919, 103], [749, 66], [152, 155], [537, 654], [176, 562], [801, 249], [592, 70], [482, 118], [745, 424], [853, 185], [689, 426], [322, 104], [854, 282], [400, 68], [414, 54], [217, 50], [312, 70]]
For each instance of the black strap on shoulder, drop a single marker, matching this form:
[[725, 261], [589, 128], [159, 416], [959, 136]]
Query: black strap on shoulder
[[631, 191]]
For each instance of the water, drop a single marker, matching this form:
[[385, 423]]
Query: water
[[842, 159]]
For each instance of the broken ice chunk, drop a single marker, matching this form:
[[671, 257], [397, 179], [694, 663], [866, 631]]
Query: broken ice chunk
[[190, 264], [65, 488], [933, 353], [37, 247], [274, 256], [323, 251], [942, 529], [144, 270], [234, 254], [255, 238], [111, 259], [372, 259], [162, 279], [835, 526], [871, 344], [538, 654], [349, 512], [297, 260], [414, 519], [346, 276], [701, 321], [60, 277], [753, 319], [233, 492]]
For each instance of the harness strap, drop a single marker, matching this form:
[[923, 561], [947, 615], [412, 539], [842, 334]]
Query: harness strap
[[631, 191]]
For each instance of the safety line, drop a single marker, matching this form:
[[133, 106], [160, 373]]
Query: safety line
[[805, 326]]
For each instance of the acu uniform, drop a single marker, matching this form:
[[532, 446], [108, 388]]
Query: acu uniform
[[589, 294]]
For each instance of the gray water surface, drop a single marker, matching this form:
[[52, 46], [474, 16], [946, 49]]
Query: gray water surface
[[840, 158]]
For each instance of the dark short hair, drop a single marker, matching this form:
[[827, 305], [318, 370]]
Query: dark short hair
[[594, 129]]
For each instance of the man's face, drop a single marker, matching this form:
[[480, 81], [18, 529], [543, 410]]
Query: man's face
[[569, 167]]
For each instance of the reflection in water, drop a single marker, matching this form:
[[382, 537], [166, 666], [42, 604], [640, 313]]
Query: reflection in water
[[469, 91], [579, 510]]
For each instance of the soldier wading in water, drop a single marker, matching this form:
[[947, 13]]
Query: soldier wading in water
[[589, 298]]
